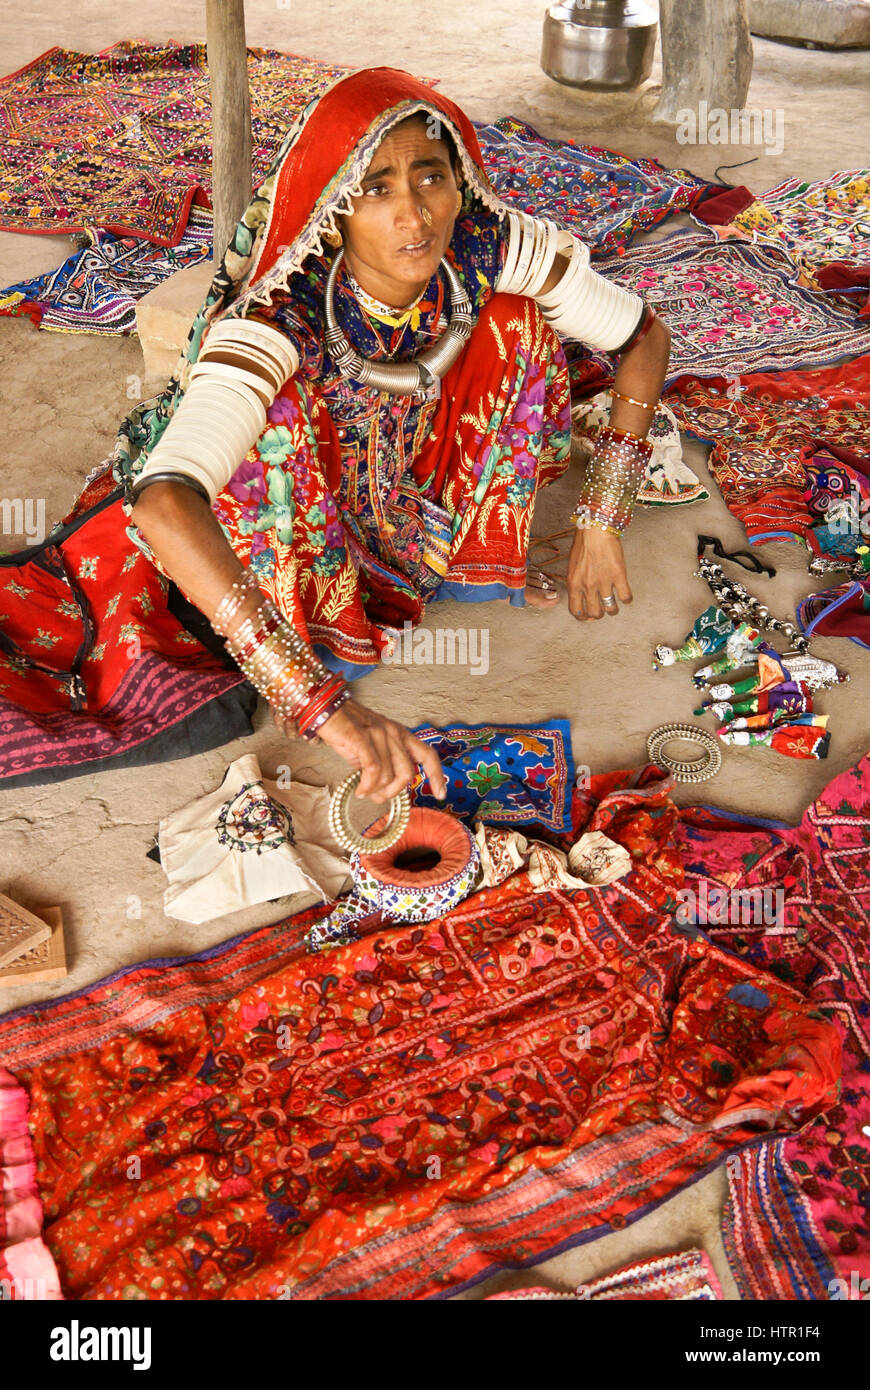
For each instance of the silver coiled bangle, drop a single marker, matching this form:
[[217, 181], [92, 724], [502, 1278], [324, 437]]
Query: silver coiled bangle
[[350, 839], [685, 770]]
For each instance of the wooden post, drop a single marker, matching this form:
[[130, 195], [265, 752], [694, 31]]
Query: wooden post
[[706, 56], [230, 117]]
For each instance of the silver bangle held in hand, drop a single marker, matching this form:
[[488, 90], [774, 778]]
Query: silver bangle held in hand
[[685, 770], [350, 839]]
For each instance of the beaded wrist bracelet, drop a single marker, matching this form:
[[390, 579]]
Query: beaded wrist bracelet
[[614, 474], [277, 662]]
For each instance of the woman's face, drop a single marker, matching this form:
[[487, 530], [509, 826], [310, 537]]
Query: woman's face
[[403, 221]]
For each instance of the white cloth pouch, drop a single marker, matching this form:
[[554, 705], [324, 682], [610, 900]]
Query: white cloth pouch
[[250, 841]]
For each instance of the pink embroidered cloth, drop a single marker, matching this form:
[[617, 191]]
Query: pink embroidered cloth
[[27, 1270]]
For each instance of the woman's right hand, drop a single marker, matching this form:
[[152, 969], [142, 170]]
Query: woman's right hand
[[386, 752]]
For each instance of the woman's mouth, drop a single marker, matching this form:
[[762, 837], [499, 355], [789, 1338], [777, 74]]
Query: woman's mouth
[[416, 248]]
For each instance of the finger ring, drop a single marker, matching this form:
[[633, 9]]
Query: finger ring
[[609, 602], [348, 837]]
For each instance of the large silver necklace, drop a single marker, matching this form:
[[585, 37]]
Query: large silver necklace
[[401, 378]]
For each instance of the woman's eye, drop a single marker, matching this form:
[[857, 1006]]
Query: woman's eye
[[377, 189]]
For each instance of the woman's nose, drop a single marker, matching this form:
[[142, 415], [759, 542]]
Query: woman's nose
[[409, 212]]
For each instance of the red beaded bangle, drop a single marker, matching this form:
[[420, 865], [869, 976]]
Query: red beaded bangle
[[331, 708], [318, 701]]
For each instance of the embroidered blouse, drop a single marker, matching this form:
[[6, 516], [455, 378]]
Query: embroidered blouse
[[389, 513]]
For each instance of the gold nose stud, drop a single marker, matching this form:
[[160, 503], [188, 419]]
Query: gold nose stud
[[426, 216]]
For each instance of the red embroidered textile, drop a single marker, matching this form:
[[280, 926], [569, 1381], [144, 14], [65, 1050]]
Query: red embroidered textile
[[93, 665], [121, 139], [759, 426], [402, 1115], [798, 1219]]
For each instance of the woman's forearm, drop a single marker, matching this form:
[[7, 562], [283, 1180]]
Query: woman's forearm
[[185, 536], [616, 468], [641, 375]]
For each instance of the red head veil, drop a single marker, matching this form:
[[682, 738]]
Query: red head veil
[[314, 178], [322, 162]]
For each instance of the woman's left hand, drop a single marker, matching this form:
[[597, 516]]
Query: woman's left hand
[[596, 572]]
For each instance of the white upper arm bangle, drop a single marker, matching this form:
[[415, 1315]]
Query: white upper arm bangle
[[583, 305], [223, 412]]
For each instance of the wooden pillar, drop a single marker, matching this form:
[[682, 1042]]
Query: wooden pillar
[[230, 117], [706, 56]]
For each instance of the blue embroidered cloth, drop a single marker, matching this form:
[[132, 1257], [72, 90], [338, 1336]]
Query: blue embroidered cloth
[[96, 289], [504, 774], [602, 196]]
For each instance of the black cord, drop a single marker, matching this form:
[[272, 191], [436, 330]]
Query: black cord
[[755, 565], [732, 166]]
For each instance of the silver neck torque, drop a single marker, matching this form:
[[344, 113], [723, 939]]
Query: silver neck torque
[[401, 378]]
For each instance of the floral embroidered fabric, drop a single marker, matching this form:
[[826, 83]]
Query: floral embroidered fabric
[[814, 223], [765, 428], [509, 775], [732, 308], [120, 139], [602, 196]]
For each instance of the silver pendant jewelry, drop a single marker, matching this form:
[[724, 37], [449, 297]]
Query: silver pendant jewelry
[[739, 604]]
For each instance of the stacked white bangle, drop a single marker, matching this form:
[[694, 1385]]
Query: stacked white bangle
[[531, 249], [583, 305], [223, 411], [589, 308]]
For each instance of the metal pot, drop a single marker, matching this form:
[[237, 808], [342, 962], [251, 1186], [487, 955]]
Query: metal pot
[[601, 44]]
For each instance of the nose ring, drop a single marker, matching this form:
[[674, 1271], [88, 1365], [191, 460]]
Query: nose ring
[[426, 216]]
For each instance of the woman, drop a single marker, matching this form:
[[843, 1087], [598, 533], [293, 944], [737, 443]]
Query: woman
[[370, 398]]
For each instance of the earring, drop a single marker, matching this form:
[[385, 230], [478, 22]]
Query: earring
[[459, 202], [332, 239]]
